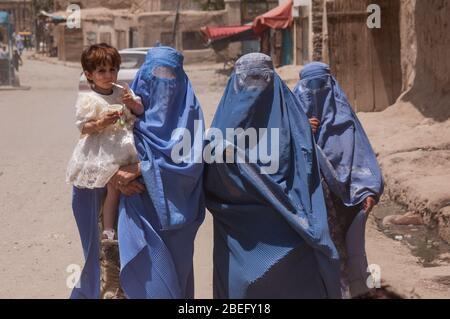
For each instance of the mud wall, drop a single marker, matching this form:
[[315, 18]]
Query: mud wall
[[425, 45], [84, 4]]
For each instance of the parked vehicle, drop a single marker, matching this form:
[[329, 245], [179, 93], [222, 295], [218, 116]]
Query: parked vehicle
[[145, 49]]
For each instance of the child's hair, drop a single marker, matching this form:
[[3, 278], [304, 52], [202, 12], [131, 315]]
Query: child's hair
[[100, 54]]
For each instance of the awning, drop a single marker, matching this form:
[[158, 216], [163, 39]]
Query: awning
[[277, 18], [227, 34], [53, 17], [215, 33]]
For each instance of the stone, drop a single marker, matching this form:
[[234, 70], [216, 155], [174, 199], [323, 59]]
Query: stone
[[409, 218], [388, 220], [444, 223], [444, 257]]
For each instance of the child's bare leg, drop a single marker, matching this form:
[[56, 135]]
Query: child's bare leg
[[110, 208]]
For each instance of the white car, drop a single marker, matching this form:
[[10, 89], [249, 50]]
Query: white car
[[145, 49], [132, 59]]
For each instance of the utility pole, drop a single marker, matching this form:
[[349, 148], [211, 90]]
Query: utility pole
[[35, 27], [175, 25]]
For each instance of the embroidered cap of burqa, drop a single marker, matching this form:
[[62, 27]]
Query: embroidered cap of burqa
[[271, 237], [156, 229]]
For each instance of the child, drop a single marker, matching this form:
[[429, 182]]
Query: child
[[106, 141]]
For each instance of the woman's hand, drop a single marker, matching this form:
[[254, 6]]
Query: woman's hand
[[127, 98], [315, 123], [368, 203], [132, 188], [125, 175]]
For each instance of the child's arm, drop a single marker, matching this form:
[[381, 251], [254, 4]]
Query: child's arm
[[95, 126], [132, 102]]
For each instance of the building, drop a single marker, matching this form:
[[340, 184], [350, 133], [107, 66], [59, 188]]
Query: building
[[62, 5], [135, 23], [109, 21], [142, 23], [21, 12], [181, 29], [96, 25], [366, 61]]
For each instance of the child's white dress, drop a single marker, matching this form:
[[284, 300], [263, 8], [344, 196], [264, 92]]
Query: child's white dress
[[97, 157]]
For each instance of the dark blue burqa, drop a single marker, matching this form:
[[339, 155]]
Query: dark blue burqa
[[271, 238]]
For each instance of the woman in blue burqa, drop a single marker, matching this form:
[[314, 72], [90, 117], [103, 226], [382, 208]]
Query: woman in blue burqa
[[352, 179], [162, 205], [271, 237]]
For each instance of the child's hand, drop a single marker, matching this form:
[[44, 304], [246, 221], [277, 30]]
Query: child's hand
[[133, 104], [127, 97], [315, 123], [108, 119]]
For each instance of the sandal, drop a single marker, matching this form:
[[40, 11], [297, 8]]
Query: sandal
[[109, 234]]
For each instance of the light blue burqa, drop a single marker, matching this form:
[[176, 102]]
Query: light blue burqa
[[347, 161], [156, 229]]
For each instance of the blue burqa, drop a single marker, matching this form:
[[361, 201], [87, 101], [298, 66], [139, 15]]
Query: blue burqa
[[86, 205], [347, 161], [346, 158], [156, 229], [271, 237]]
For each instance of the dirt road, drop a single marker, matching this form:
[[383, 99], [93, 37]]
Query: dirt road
[[39, 238]]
